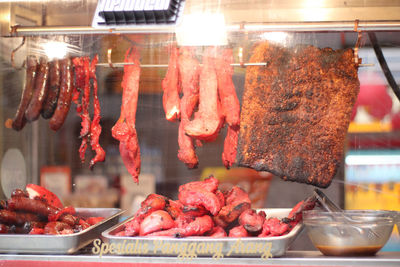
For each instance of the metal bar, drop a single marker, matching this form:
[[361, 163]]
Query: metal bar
[[317, 26], [70, 30], [290, 26], [122, 64]]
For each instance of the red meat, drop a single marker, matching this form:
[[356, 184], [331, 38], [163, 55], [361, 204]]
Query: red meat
[[274, 227], [95, 127], [238, 231], [217, 232], [156, 221], [197, 227], [124, 130], [189, 73], [209, 184], [171, 88], [230, 146], [237, 195], [200, 197], [252, 221], [230, 213], [208, 119], [229, 101], [152, 203]]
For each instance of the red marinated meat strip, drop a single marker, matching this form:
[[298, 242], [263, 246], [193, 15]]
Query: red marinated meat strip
[[79, 83], [208, 119], [237, 201], [197, 227], [152, 203], [124, 130], [230, 213], [238, 231], [171, 88], [200, 197], [217, 232], [201, 193], [229, 101], [82, 90], [230, 146], [274, 227], [209, 184], [156, 221], [189, 74], [174, 208], [194, 211], [95, 128], [252, 221], [237, 195]]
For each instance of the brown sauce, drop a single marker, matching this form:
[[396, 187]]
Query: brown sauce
[[349, 251]]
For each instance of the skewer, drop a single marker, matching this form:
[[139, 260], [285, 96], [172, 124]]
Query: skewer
[[122, 64]]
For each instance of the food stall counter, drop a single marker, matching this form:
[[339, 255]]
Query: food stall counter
[[292, 258]]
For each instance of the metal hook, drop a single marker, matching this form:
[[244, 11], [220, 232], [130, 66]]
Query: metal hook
[[109, 52], [13, 55], [357, 60], [240, 55]]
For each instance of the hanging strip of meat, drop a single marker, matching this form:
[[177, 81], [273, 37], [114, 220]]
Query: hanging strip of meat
[[230, 146], [79, 83], [76, 98], [82, 93], [124, 130], [208, 119], [171, 88], [85, 100], [229, 103], [226, 89], [189, 73], [95, 128]]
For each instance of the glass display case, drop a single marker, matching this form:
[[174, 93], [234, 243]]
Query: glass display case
[[36, 154]]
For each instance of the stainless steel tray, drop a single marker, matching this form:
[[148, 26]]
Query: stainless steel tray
[[190, 247], [61, 244]]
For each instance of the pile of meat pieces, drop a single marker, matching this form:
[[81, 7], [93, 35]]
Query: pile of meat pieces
[[203, 210], [203, 98], [39, 211], [50, 87]]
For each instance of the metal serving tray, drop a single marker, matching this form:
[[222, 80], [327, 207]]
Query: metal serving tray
[[61, 244], [189, 247]]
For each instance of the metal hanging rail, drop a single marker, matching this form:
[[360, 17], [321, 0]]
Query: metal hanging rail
[[122, 64], [19, 31]]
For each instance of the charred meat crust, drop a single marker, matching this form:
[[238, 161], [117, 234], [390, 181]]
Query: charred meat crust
[[296, 111]]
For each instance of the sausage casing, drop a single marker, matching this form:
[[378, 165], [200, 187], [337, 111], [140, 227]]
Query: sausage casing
[[65, 95], [17, 218], [30, 205], [19, 120], [50, 103], [39, 93]]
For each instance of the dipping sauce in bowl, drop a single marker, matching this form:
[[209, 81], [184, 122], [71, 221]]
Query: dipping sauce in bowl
[[351, 233], [349, 251]]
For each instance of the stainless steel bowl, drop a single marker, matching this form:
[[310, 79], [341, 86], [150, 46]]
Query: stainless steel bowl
[[349, 233]]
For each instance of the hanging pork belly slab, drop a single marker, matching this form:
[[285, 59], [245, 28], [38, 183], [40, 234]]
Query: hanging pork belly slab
[[296, 111]]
